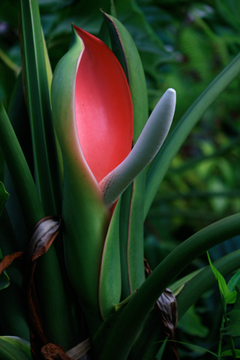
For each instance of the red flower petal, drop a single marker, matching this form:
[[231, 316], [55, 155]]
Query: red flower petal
[[103, 107]]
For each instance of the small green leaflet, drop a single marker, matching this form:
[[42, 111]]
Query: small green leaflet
[[229, 296], [235, 280]]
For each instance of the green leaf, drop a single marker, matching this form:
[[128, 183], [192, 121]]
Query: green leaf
[[229, 353], [233, 328], [205, 280], [51, 291], [20, 344], [221, 281], [10, 352], [200, 350], [191, 323], [161, 350], [147, 344], [162, 161], [178, 285], [123, 236], [110, 275], [235, 280], [231, 297], [127, 327], [125, 50], [36, 76], [33, 212]]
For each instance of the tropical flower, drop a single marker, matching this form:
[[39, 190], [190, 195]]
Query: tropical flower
[[93, 119]]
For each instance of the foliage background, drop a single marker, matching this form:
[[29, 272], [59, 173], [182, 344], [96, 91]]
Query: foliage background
[[183, 44]]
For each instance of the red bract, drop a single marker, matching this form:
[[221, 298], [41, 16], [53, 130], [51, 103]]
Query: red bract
[[103, 107], [93, 118]]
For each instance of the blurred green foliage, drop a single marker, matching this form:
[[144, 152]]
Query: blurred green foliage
[[183, 44]]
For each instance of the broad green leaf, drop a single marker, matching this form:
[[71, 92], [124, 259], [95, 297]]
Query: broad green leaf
[[10, 352], [110, 275], [191, 323], [127, 327], [235, 280], [229, 353], [147, 344], [231, 297], [20, 344], [232, 328], [162, 161]]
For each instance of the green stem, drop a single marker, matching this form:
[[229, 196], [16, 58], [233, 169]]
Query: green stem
[[226, 323], [220, 339], [130, 321]]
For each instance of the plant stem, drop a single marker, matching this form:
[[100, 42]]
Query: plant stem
[[226, 323], [220, 339]]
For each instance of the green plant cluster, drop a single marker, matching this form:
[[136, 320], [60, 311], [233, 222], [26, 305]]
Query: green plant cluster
[[192, 47]]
